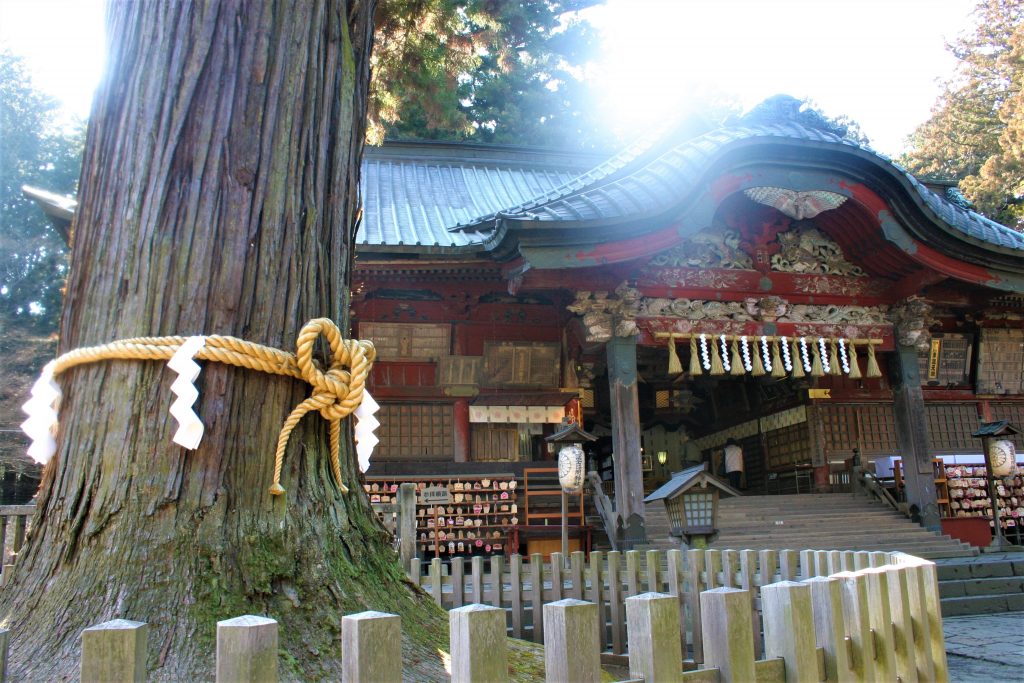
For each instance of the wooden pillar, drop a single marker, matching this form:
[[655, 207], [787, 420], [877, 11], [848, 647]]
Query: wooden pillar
[[819, 456], [625, 408], [912, 436], [461, 430]]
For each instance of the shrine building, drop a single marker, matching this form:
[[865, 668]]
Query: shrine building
[[769, 282]]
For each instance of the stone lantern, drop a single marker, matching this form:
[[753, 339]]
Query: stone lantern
[[691, 501]]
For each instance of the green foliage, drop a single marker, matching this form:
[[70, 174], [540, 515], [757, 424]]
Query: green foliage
[[33, 255], [483, 70], [976, 132]]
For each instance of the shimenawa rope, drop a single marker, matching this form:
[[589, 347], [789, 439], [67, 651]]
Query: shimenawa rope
[[336, 392]]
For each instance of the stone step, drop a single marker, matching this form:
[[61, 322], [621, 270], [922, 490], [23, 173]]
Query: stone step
[[986, 604], [965, 588]]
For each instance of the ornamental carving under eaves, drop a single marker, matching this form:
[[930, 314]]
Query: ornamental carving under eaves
[[806, 250], [605, 316]]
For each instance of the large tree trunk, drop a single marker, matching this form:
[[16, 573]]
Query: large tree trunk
[[218, 196]]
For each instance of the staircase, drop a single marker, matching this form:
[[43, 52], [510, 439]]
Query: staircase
[[832, 521], [985, 585]]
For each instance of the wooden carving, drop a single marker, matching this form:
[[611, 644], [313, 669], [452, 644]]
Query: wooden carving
[[806, 250]]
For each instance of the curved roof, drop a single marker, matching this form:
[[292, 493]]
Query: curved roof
[[618, 190]]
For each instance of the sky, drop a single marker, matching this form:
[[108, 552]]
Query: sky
[[877, 61]]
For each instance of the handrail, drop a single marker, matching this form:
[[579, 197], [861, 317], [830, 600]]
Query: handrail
[[605, 509], [871, 484]]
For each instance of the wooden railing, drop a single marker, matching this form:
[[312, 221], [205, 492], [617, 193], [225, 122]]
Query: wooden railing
[[608, 580], [880, 623], [872, 487], [605, 508], [14, 525]]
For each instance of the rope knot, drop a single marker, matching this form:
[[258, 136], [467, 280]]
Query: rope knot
[[336, 392]]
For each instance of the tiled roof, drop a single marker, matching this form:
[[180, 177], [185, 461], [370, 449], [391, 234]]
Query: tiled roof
[[620, 189], [414, 193]]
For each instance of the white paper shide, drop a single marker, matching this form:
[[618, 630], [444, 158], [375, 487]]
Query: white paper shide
[[41, 408], [190, 427], [366, 425]]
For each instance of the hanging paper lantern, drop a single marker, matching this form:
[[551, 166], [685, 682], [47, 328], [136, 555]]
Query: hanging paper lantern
[[571, 466], [1003, 457], [674, 366]]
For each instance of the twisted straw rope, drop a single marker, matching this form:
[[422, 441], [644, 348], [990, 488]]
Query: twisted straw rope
[[336, 392]]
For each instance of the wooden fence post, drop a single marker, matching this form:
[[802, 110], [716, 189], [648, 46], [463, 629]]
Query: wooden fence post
[[632, 573], [597, 594], [5, 645], [748, 582], [371, 648], [655, 651], [435, 579], [576, 561], [858, 625], [114, 652], [537, 596], [712, 568], [767, 561], [676, 576], [557, 576], [407, 522], [516, 574], [881, 622], [477, 563], [726, 634], [930, 612], [788, 565], [730, 558], [808, 564], [247, 650], [458, 570], [829, 628], [572, 652], [861, 560], [921, 623], [902, 623], [478, 647], [497, 578], [615, 604], [695, 568], [789, 629], [653, 571]]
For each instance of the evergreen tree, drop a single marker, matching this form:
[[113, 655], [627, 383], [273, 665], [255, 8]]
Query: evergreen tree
[[33, 255], [483, 70], [976, 132]]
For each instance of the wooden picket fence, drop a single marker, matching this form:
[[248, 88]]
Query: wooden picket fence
[[522, 588], [874, 624], [14, 524]]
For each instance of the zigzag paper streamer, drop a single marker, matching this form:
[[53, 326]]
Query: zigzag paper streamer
[[41, 408], [364, 429], [190, 427]]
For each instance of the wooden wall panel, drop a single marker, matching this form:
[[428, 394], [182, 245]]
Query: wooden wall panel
[[416, 431], [950, 426]]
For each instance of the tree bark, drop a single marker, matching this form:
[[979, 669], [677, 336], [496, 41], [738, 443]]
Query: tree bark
[[218, 196]]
